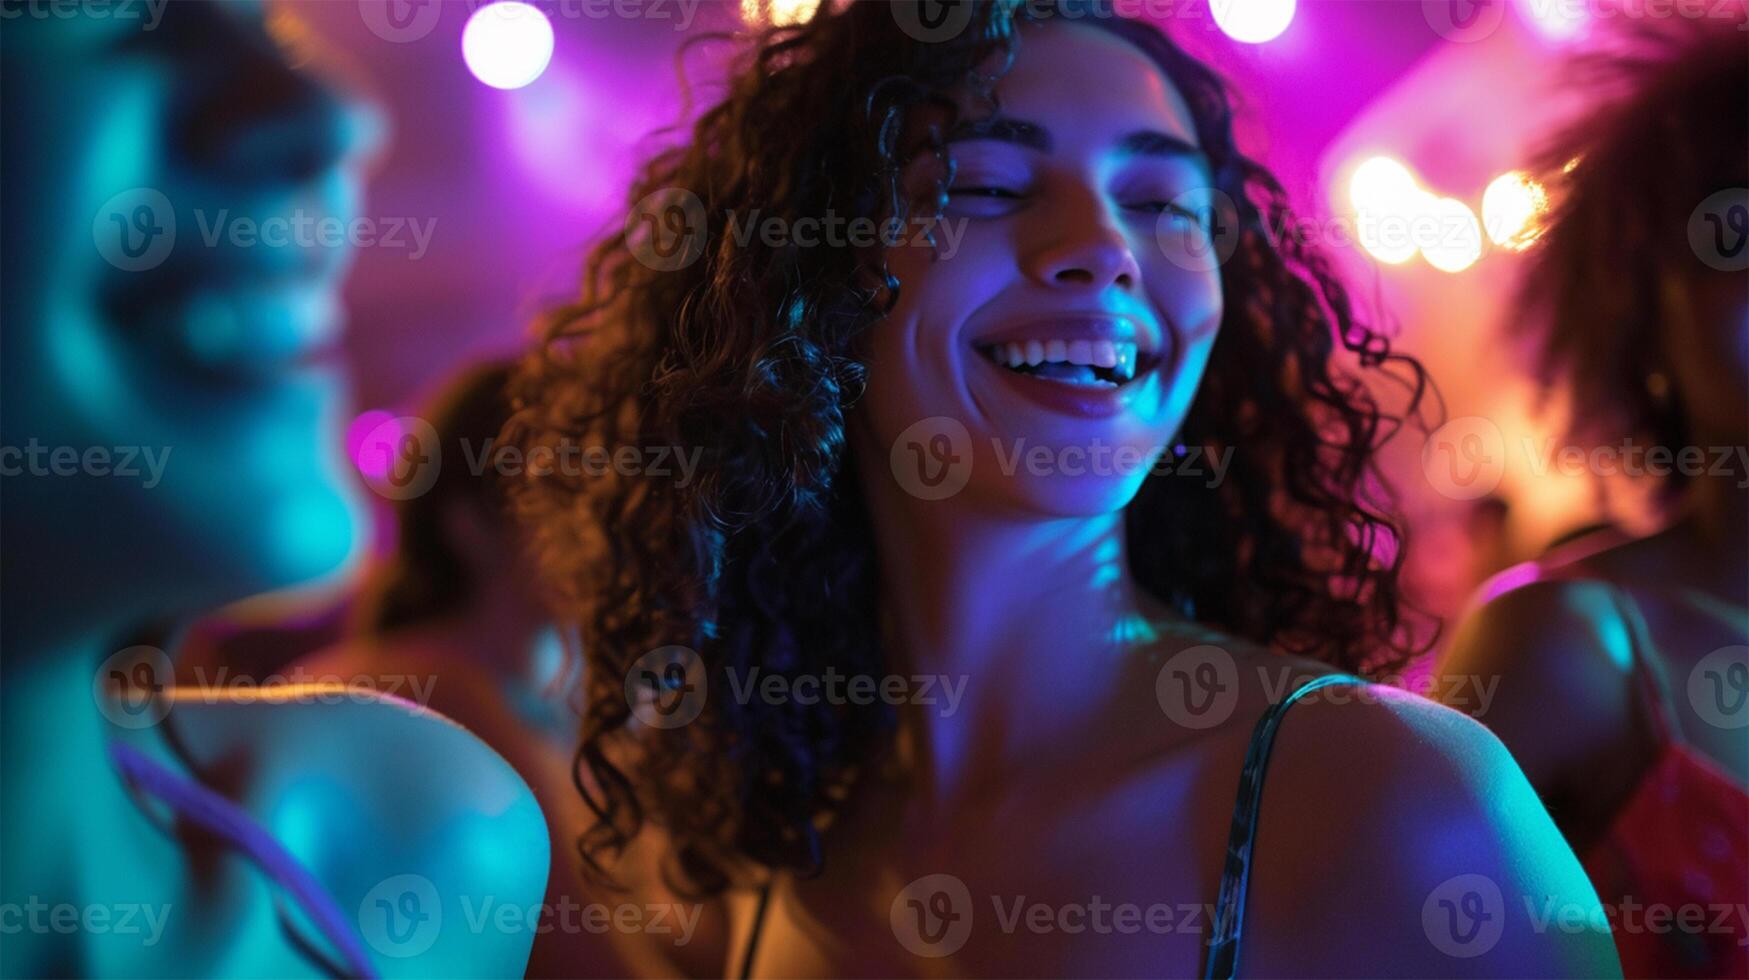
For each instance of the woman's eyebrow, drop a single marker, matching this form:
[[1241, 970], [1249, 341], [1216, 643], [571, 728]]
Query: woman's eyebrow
[[1005, 129]]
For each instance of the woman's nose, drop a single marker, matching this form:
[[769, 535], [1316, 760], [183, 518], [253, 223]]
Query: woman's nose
[[1080, 247]]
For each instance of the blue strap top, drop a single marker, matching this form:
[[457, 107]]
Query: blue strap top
[[1229, 923], [208, 810]]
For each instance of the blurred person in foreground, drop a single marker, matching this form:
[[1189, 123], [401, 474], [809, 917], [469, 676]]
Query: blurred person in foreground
[[1623, 666], [456, 609], [150, 830]]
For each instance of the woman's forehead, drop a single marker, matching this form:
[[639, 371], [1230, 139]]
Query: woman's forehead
[[1087, 85]]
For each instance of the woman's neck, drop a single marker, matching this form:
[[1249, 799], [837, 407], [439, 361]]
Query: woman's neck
[[1033, 621]]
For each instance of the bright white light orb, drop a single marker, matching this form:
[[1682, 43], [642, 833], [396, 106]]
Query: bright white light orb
[[1453, 241], [1252, 21], [1386, 198], [1556, 21], [1512, 210], [507, 45], [778, 13]]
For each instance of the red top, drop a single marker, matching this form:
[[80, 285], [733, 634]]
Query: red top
[[1674, 863]]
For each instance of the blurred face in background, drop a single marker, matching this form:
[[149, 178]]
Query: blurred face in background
[[176, 196]]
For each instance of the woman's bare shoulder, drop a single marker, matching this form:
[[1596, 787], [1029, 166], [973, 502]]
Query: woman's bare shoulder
[[1407, 828], [374, 794]]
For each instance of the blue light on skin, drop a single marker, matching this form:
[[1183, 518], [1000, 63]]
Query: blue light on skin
[[255, 495]]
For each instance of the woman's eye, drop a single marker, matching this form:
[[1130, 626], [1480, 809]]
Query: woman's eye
[[992, 193], [1178, 211]]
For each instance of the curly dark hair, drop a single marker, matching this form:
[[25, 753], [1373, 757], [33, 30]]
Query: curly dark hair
[[766, 559], [1669, 127]]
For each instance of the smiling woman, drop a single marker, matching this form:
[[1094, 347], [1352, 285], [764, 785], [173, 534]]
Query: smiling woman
[[1126, 640]]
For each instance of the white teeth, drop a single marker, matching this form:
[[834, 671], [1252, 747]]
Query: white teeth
[[1105, 353], [1118, 357]]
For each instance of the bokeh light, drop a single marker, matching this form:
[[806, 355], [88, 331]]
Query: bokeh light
[[780, 13], [1253, 21], [507, 45], [1512, 210], [1557, 22], [1386, 198], [373, 464], [1453, 238]]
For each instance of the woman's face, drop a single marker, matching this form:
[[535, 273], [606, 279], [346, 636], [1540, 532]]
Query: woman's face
[[1049, 354], [177, 200]]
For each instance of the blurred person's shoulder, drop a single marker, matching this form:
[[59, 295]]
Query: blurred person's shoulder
[[381, 799]]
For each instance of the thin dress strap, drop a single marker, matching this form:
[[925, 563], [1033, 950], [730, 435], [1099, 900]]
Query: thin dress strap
[[232, 823], [758, 926], [1223, 955]]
